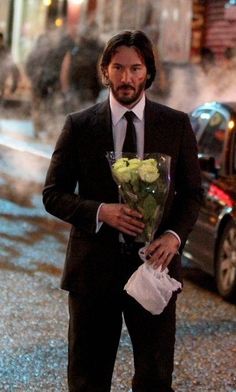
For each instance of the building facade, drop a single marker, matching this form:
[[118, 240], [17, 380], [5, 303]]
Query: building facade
[[22, 21], [178, 28]]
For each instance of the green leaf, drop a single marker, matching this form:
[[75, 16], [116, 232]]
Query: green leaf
[[149, 206]]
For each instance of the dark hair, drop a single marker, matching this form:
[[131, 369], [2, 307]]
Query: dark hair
[[140, 42]]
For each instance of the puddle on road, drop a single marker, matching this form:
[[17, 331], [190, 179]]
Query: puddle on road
[[30, 239]]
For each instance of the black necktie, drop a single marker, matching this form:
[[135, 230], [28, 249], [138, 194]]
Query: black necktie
[[130, 137], [129, 146]]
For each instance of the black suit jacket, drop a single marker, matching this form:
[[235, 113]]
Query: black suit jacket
[[92, 263]]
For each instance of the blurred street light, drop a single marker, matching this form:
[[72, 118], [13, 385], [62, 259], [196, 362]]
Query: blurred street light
[[47, 3]]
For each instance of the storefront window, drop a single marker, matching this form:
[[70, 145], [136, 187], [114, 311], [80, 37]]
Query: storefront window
[[4, 17], [32, 14]]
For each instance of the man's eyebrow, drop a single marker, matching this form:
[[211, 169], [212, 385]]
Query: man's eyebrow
[[131, 65]]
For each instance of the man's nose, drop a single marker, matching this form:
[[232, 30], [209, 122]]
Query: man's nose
[[126, 76]]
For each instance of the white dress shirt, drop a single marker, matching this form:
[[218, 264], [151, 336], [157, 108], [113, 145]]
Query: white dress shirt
[[119, 123]]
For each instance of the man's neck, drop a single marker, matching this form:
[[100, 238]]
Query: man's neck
[[131, 106]]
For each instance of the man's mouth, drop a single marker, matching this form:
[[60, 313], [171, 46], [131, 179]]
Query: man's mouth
[[126, 87]]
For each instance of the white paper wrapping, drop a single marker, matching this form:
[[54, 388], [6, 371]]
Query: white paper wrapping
[[151, 287]]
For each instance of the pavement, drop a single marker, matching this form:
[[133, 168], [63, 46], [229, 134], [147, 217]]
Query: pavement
[[18, 130], [20, 134]]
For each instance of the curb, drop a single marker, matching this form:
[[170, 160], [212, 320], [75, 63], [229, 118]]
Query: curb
[[19, 135]]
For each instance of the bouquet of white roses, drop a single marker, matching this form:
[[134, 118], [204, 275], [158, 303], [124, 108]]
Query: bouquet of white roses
[[143, 185]]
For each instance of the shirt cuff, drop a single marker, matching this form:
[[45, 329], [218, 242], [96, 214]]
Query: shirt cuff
[[175, 234], [98, 223]]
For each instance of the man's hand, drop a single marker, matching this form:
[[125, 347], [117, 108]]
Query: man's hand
[[121, 217], [162, 250]]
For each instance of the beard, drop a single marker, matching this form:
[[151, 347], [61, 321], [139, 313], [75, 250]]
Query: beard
[[126, 94]]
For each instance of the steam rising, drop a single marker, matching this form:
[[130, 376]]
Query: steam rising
[[191, 86]]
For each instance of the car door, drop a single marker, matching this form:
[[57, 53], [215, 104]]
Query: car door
[[210, 126]]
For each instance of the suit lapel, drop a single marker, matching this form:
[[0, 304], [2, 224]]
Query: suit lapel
[[103, 128], [104, 142], [153, 131]]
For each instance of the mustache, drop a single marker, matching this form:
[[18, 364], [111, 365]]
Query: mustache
[[125, 87]]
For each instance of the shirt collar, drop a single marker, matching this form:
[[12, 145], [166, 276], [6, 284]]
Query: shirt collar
[[117, 110]]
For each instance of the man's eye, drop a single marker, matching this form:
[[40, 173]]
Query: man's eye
[[135, 69]]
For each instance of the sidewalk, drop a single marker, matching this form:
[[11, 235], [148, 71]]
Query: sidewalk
[[19, 134], [18, 131]]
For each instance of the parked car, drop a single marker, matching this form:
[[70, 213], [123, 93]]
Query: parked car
[[212, 244]]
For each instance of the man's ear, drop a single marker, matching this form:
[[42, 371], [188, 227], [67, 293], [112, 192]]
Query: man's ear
[[105, 78], [105, 73], [148, 76]]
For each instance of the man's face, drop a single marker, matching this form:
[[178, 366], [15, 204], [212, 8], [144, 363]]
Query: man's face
[[127, 75]]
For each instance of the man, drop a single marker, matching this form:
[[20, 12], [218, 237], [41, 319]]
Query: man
[[80, 82], [42, 67], [7, 68], [98, 262]]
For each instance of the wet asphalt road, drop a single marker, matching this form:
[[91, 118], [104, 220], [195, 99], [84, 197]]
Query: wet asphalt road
[[33, 310]]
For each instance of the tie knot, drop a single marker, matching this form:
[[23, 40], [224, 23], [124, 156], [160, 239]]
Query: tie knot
[[129, 115]]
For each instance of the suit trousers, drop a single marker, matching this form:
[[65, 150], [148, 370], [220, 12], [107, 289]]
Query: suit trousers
[[95, 326]]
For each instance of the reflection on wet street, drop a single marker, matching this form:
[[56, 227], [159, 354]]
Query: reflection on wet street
[[33, 318], [32, 246]]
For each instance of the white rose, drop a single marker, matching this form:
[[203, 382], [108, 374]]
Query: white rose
[[134, 162], [150, 161], [148, 172], [123, 174], [122, 162]]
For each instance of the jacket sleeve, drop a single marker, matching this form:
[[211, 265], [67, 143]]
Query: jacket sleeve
[[188, 191], [60, 197]]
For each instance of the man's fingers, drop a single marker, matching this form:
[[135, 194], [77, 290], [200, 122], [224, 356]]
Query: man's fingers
[[131, 213], [166, 262], [133, 222], [130, 221], [122, 217], [160, 257], [131, 226]]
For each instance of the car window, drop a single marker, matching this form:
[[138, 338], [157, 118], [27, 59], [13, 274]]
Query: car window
[[199, 119], [212, 138], [234, 156]]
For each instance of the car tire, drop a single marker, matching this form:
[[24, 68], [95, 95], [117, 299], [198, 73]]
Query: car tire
[[226, 262]]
